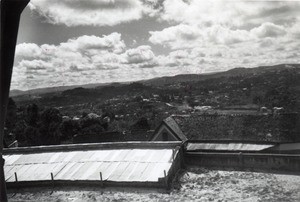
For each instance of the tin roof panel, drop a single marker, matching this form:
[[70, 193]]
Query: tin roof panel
[[114, 164]]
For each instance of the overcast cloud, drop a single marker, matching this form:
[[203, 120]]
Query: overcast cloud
[[197, 37]]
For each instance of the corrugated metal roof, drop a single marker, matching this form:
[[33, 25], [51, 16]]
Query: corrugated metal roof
[[228, 146], [120, 165]]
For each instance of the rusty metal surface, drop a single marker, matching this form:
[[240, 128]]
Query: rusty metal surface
[[120, 165]]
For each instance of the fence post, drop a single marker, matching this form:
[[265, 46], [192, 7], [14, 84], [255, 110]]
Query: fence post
[[101, 179], [52, 180], [16, 177], [241, 160], [173, 154], [165, 177]]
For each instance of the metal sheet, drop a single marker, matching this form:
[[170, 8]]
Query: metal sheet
[[128, 172], [148, 170], [228, 146], [70, 171], [114, 164], [118, 171], [63, 172], [138, 171], [11, 159]]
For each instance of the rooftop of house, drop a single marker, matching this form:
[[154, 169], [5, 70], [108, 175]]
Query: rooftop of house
[[243, 127]]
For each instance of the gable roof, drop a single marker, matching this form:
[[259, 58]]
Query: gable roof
[[171, 124]]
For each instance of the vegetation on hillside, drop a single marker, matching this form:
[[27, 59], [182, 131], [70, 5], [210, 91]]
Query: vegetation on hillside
[[57, 116]]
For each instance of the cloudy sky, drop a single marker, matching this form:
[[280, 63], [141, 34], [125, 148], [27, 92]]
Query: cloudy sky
[[67, 42]]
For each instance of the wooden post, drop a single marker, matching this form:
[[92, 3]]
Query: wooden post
[[166, 180], [52, 180], [173, 154], [16, 177], [101, 179], [241, 160]]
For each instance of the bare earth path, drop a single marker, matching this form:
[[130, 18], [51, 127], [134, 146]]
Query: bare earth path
[[195, 185]]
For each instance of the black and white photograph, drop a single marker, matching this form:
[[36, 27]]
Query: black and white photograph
[[150, 100]]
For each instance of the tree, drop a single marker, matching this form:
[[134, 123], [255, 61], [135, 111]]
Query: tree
[[141, 124], [257, 99], [51, 120], [280, 97], [86, 122], [51, 115], [32, 136], [93, 129], [32, 115], [50, 134], [69, 128], [11, 115], [19, 130]]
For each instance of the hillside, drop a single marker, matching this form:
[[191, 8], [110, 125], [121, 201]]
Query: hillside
[[257, 91], [274, 86], [230, 73], [161, 81]]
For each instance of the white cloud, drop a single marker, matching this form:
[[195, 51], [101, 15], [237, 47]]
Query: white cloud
[[230, 13], [140, 54], [222, 35], [28, 50], [187, 36], [35, 64], [294, 30], [86, 59], [179, 36], [201, 36], [87, 12], [268, 30], [227, 34], [84, 43], [73, 57]]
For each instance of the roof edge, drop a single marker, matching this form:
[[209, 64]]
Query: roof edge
[[95, 146]]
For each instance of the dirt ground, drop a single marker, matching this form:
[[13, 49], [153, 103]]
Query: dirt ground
[[195, 184]]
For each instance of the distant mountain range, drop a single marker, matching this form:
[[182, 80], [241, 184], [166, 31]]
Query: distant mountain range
[[240, 71], [38, 91], [167, 80]]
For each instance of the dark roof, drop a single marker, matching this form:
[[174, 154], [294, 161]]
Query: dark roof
[[243, 127], [293, 147], [174, 127]]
